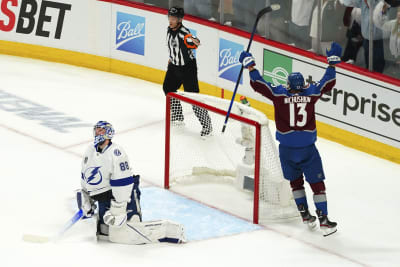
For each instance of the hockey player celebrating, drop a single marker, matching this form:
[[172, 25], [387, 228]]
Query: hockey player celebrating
[[297, 133], [108, 179]]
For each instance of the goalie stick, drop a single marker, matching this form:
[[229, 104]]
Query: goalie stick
[[259, 15], [45, 239]]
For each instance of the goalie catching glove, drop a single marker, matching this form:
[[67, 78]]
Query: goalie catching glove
[[333, 55], [116, 215], [247, 59]]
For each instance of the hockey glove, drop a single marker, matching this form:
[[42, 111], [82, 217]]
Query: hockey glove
[[247, 59], [86, 203], [116, 215], [334, 54]]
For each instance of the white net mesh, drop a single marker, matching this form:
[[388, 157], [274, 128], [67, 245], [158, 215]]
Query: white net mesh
[[201, 155]]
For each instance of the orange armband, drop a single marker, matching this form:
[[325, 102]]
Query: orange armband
[[191, 46]]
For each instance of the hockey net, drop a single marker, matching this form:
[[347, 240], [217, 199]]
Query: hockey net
[[238, 171]]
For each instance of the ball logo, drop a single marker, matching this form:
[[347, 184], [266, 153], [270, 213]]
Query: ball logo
[[130, 33], [93, 176], [229, 65]]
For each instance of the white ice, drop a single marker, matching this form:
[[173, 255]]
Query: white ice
[[40, 168]]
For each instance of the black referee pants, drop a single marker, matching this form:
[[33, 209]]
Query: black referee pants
[[178, 75]]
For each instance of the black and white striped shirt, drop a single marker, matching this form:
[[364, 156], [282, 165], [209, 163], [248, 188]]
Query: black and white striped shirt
[[180, 46]]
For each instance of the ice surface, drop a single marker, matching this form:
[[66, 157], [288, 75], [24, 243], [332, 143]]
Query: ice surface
[[201, 222]]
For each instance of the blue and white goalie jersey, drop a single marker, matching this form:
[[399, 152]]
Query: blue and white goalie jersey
[[110, 169]]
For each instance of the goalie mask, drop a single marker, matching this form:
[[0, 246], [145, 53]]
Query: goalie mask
[[101, 138]]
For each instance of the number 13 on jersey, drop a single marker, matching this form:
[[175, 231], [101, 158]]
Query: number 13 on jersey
[[298, 114]]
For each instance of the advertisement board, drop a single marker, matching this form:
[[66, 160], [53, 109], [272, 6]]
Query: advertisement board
[[81, 26]]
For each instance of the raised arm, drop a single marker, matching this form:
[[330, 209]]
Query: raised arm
[[259, 85], [329, 79]]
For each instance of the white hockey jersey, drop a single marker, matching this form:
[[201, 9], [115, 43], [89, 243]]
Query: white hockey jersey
[[107, 170]]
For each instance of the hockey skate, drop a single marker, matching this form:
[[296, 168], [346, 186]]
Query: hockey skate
[[325, 224], [308, 219]]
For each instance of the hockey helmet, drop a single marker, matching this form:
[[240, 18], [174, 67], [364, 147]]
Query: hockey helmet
[[295, 81], [176, 12]]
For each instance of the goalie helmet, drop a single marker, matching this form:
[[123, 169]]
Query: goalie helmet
[[295, 81], [109, 132], [176, 12]]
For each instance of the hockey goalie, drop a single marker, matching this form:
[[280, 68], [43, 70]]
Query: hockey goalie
[[108, 180]]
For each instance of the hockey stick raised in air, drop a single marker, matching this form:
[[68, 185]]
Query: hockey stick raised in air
[[45, 239], [259, 15]]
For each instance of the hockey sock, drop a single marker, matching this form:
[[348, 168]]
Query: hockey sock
[[320, 197], [299, 194]]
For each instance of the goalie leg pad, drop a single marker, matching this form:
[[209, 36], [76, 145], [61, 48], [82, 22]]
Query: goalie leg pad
[[138, 233], [174, 233]]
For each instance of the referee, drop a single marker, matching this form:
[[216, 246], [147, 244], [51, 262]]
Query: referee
[[182, 68]]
